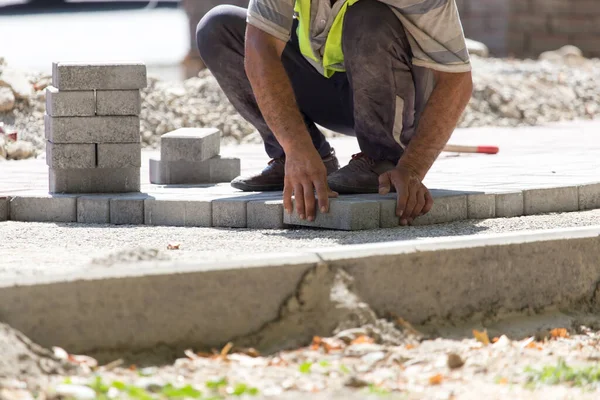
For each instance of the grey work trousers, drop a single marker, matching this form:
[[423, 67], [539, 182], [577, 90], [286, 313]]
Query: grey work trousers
[[379, 98]]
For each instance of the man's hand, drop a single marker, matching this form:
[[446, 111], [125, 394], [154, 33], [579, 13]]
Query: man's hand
[[414, 198], [305, 173]]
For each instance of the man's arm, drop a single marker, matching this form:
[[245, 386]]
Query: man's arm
[[447, 102], [304, 168]]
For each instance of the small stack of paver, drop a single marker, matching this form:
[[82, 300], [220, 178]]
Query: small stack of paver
[[191, 156], [93, 127]]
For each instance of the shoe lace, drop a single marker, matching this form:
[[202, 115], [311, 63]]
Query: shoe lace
[[362, 158]]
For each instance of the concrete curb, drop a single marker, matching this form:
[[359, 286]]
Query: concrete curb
[[179, 305], [262, 210]]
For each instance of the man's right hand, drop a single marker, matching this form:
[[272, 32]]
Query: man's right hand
[[305, 173]]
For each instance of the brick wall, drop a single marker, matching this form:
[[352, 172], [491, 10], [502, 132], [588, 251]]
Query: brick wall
[[525, 28]]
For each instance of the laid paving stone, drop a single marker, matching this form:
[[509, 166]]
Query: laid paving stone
[[100, 129], [481, 206], [214, 170], [229, 213], [190, 144], [127, 210], [70, 155], [347, 214], [43, 208], [93, 209], [70, 103], [589, 196], [171, 211], [387, 216], [118, 102], [119, 155], [560, 199], [445, 209], [265, 214], [94, 180], [104, 76], [509, 205], [4, 201]]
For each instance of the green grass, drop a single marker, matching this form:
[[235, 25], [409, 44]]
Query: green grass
[[169, 391], [563, 374]]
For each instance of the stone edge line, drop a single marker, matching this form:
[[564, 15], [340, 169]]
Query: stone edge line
[[265, 210]]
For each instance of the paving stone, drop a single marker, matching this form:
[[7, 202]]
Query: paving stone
[[214, 170], [177, 212], [118, 102], [560, 199], [70, 155], [347, 214], [127, 210], [119, 155], [589, 196], [190, 144], [481, 206], [43, 208], [224, 169], [229, 213], [114, 129], [509, 205], [265, 214], [445, 209], [94, 180], [387, 214], [70, 103], [93, 209], [104, 76], [4, 201]]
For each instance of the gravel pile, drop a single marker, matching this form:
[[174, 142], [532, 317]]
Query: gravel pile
[[506, 93]]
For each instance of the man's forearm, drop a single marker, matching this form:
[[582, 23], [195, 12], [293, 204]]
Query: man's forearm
[[275, 96], [440, 116]]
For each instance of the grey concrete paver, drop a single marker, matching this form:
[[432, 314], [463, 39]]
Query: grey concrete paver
[[70, 155], [509, 204], [108, 76], [265, 214], [94, 180], [127, 210], [99, 129], [589, 196], [70, 103], [345, 213], [481, 206], [93, 209], [43, 207], [4, 208], [559, 199], [118, 102], [214, 170], [190, 144], [119, 155]]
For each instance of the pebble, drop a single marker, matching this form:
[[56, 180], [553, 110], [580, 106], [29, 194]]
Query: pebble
[[455, 361], [19, 150], [17, 81], [7, 99]]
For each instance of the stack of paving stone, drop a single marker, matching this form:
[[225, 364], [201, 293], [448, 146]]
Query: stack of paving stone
[[93, 127], [191, 156]]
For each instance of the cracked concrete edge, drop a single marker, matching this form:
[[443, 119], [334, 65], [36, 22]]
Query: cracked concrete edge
[[205, 304]]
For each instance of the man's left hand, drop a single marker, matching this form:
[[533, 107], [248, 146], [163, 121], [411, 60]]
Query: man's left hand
[[414, 198]]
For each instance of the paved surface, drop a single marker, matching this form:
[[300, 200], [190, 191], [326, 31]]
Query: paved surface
[[539, 157]]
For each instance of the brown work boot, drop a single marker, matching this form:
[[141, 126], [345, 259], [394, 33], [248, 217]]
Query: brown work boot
[[361, 175], [272, 177]]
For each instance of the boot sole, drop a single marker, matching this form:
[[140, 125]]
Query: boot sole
[[256, 188]]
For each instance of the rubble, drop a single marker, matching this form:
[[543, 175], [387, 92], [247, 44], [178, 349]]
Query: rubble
[[507, 92]]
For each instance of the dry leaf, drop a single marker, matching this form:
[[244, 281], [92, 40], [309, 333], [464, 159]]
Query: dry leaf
[[173, 246], [410, 346], [408, 326], [363, 339], [436, 379], [559, 333], [83, 360], [133, 367], [481, 337], [495, 339], [226, 349], [191, 355], [331, 344], [252, 352], [502, 381], [316, 343]]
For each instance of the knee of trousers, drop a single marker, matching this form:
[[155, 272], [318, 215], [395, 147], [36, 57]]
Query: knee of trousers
[[371, 30], [211, 31]]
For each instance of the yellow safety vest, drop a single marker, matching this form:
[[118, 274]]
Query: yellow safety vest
[[333, 55]]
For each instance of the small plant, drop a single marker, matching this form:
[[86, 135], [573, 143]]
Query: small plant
[[305, 367], [562, 373]]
